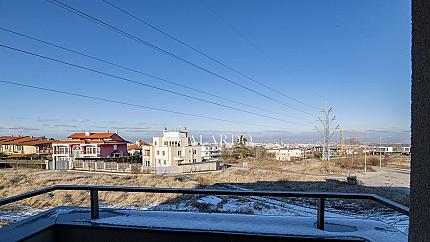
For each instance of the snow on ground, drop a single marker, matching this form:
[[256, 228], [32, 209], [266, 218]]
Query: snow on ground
[[18, 213], [210, 200], [239, 223], [247, 205]]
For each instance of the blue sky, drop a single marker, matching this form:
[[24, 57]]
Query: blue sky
[[352, 55]]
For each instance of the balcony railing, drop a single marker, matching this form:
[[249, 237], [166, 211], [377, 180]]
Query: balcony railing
[[321, 196]]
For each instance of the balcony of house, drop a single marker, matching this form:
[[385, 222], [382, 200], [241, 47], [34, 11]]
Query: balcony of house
[[106, 224], [90, 151], [44, 151], [60, 150]]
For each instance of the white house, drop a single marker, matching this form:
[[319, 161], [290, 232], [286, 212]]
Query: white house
[[174, 153], [288, 154]]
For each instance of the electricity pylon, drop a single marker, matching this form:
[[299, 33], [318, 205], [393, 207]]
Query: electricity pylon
[[326, 131]]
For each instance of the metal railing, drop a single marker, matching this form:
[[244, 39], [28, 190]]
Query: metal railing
[[321, 196]]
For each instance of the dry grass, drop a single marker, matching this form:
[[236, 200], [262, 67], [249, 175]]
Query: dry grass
[[15, 182], [266, 174]]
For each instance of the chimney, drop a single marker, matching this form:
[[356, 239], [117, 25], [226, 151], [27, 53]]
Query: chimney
[[87, 133], [164, 129]]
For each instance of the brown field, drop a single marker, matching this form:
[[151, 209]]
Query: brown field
[[309, 175]]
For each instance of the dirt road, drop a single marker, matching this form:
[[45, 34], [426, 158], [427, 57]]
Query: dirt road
[[395, 178]]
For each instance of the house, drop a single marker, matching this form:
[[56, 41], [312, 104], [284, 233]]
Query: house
[[11, 145], [88, 145], [393, 150], [143, 148], [43, 147], [289, 154], [406, 150], [174, 153], [136, 148], [25, 145], [210, 152]]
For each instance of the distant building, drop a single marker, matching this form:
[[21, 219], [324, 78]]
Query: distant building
[[88, 145], [406, 150], [143, 148], [210, 152], [174, 153], [393, 150], [12, 145], [136, 148], [16, 146], [288, 154]]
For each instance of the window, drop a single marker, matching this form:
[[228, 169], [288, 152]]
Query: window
[[164, 162], [179, 153], [164, 152], [158, 152], [155, 142], [194, 151], [159, 161], [62, 150], [91, 150], [194, 160]]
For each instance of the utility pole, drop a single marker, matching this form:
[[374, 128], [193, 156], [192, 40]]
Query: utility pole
[[380, 151], [365, 160], [327, 131], [341, 141]]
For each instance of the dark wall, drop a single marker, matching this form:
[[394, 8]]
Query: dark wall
[[419, 229]]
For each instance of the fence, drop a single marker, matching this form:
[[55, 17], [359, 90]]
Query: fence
[[321, 196], [17, 163]]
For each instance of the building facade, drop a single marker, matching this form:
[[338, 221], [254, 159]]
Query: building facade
[[174, 153], [89, 145], [15, 146], [288, 154]]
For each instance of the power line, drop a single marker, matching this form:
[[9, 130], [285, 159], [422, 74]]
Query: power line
[[129, 104], [139, 40], [252, 43], [201, 52], [134, 70], [144, 84]]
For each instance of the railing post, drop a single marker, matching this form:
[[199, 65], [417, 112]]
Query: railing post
[[94, 196], [320, 213]]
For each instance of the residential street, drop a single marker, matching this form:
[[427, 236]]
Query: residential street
[[392, 177]]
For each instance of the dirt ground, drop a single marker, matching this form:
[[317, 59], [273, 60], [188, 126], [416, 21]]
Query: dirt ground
[[309, 175]]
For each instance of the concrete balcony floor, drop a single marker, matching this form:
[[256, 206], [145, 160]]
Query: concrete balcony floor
[[74, 224]]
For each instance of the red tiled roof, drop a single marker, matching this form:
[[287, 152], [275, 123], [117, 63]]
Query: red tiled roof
[[69, 142], [16, 141], [138, 145], [23, 140], [38, 142], [91, 136], [87, 142]]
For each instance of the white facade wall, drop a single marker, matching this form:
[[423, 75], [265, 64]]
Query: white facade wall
[[211, 152], [175, 152], [288, 154]]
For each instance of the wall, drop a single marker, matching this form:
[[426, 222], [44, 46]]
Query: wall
[[106, 150], [196, 167], [29, 149], [419, 227]]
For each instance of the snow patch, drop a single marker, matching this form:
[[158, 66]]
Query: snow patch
[[210, 200]]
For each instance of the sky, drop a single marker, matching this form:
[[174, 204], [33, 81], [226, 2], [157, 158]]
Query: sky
[[353, 56]]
